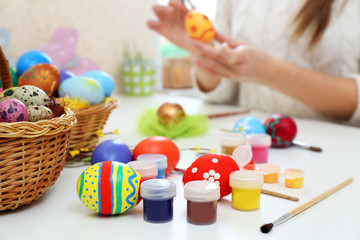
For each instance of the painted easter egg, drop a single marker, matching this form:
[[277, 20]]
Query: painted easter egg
[[109, 188], [44, 76], [82, 87], [39, 112], [13, 110], [104, 79], [249, 125], [30, 59], [213, 168], [160, 145], [111, 150], [8, 92], [282, 130], [170, 113], [31, 95], [199, 27], [65, 74]]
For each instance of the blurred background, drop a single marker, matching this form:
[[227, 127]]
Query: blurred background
[[106, 32]]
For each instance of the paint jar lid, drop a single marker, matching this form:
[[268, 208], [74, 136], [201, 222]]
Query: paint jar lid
[[201, 191], [246, 179], [232, 138], [259, 139], [158, 189], [146, 169], [269, 168], [242, 155], [159, 159], [294, 173]]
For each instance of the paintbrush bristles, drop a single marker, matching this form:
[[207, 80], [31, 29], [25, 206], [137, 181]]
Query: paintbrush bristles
[[266, 228]]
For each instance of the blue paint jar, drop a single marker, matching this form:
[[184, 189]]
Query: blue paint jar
[[158, 195], [159, 159]]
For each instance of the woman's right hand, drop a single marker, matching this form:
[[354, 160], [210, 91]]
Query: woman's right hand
[[171, 23]]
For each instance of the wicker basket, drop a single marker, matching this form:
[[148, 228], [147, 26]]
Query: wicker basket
[[32, 155], [89, 121]]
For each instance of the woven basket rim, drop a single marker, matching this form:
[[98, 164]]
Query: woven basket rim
[[43, 127], [112, 104]]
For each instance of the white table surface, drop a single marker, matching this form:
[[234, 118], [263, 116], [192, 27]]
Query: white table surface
[[59, 214]]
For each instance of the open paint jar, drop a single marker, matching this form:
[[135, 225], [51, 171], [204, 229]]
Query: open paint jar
[[246, 188], [146, 169], [159, 159], [158, 195], [242, 155], [270, 172], [230, 140], [202, 199], [294, 178], [260, 144]]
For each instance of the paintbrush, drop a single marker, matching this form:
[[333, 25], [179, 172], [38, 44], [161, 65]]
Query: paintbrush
[[266, 228], [217, 115], [306, 146]]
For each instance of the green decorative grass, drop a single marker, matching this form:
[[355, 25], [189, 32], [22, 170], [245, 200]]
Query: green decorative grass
[[190, 126]]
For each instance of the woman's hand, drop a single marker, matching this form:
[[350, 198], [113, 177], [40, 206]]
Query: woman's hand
[[234, 60], [171, 23]]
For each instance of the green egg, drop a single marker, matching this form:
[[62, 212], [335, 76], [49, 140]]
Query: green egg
[[14, 78]]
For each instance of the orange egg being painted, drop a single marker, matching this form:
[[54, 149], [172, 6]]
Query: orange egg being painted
[[44, 76], [199, 27]]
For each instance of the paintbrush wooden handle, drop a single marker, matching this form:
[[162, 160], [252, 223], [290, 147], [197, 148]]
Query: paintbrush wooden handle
[[217, 115], [317, 199], [279, 195]]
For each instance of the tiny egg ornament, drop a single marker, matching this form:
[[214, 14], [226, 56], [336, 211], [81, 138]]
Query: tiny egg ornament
[[199, 27], [249, 125], [282, 130], [82, 87], [104, 79], [44, 76], [214, 168], [109, 188], [29, 59], [111, 150], [160, 145]]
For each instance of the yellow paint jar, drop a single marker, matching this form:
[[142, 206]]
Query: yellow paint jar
[[270, 172], [294, 178], [246, 188], [230, 140]]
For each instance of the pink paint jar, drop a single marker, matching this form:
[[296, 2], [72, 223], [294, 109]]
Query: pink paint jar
[[146, 169], [260, 144], [201, 199]]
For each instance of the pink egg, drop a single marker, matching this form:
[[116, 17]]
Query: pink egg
[[13, 110]]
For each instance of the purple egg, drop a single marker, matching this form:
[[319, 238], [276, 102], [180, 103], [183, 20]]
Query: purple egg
[[111, 150], [65, 74], [13, 110]]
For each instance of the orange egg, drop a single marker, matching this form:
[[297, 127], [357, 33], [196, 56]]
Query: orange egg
[[199, 27], [44, 76]]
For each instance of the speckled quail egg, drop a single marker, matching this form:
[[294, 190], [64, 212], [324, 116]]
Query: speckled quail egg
[[39, 112], [31, 95], [13, 110]]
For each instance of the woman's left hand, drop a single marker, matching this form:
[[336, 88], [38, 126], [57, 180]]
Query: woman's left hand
[[234, 60]]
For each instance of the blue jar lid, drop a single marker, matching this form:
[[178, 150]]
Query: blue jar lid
[[159, 159], [158, 189]]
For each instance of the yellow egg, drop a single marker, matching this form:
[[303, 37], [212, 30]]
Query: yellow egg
[[199, 27]]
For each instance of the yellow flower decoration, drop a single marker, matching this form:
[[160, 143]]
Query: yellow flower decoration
[[116, 131], [73, 153], [212, 150], [99, 133], [197, 148]]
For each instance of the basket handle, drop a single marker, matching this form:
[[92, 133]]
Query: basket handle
[[5, 74]]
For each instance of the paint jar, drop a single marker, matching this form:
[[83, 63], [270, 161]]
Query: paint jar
[[270, 172], [260, 144], [201, 199], [230, 140], [146, 169], [158, 195], [159, 159], [294, 178], [246, 188]]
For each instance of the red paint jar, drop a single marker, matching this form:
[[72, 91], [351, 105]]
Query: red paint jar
[[202, 199]]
